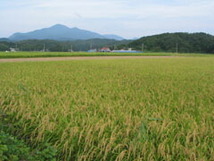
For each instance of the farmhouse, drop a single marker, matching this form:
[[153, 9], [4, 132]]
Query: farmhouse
[[92, 50], [13, 49], [105, 49]]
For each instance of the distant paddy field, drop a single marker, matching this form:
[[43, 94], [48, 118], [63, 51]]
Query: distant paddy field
[[112, 109], [74, 54]]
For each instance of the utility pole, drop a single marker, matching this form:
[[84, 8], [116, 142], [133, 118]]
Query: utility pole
[[176, 47], [90, 45], [115, 47], [16, 49], [142, 47], [44, 48]]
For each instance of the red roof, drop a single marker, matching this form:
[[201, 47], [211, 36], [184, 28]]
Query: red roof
[[105, 48]]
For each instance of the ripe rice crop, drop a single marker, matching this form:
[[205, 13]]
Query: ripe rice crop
[[138, 109]]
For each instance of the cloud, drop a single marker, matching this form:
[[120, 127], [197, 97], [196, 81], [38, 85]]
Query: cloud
[[124, 17]]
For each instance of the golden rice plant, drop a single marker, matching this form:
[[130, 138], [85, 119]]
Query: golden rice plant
[[137, 109]]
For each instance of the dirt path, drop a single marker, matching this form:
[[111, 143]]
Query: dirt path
[[81, 58]]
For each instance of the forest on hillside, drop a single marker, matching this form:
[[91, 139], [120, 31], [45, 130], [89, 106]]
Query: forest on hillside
[[176, 42], [64, 46]]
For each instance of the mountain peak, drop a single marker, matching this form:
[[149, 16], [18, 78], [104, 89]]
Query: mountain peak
[[60, 32], [59, 26]]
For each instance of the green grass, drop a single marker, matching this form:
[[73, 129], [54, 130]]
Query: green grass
[[12, 149], [138, 109], [66, 54]]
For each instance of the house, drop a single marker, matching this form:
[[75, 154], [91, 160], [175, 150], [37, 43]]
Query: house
[[105, 49], [126, 51], [13, 49], [92, 50]]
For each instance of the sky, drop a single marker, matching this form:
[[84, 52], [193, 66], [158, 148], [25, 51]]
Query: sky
[[127, 18]]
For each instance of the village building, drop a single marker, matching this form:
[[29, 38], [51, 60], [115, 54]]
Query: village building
[[13, 49], [105, 49], [92, 50]]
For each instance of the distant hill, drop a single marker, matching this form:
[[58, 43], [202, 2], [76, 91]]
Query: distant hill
[[167, 42], [53, 45], [172, 42], [6, 45], [4, 39], [61, 33]]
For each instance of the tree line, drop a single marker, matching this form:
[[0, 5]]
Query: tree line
[[64, 46]]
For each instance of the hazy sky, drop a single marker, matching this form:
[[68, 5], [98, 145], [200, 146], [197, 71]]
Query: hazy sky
[[127, 18]]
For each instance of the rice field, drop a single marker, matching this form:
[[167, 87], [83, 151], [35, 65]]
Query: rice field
[[124, 110], [71, 54]]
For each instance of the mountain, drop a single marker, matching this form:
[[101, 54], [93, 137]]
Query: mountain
[[4, 39], [61, 33], [114, 37], [176, 42]]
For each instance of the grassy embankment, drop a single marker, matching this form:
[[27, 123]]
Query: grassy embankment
[[147, 109]]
